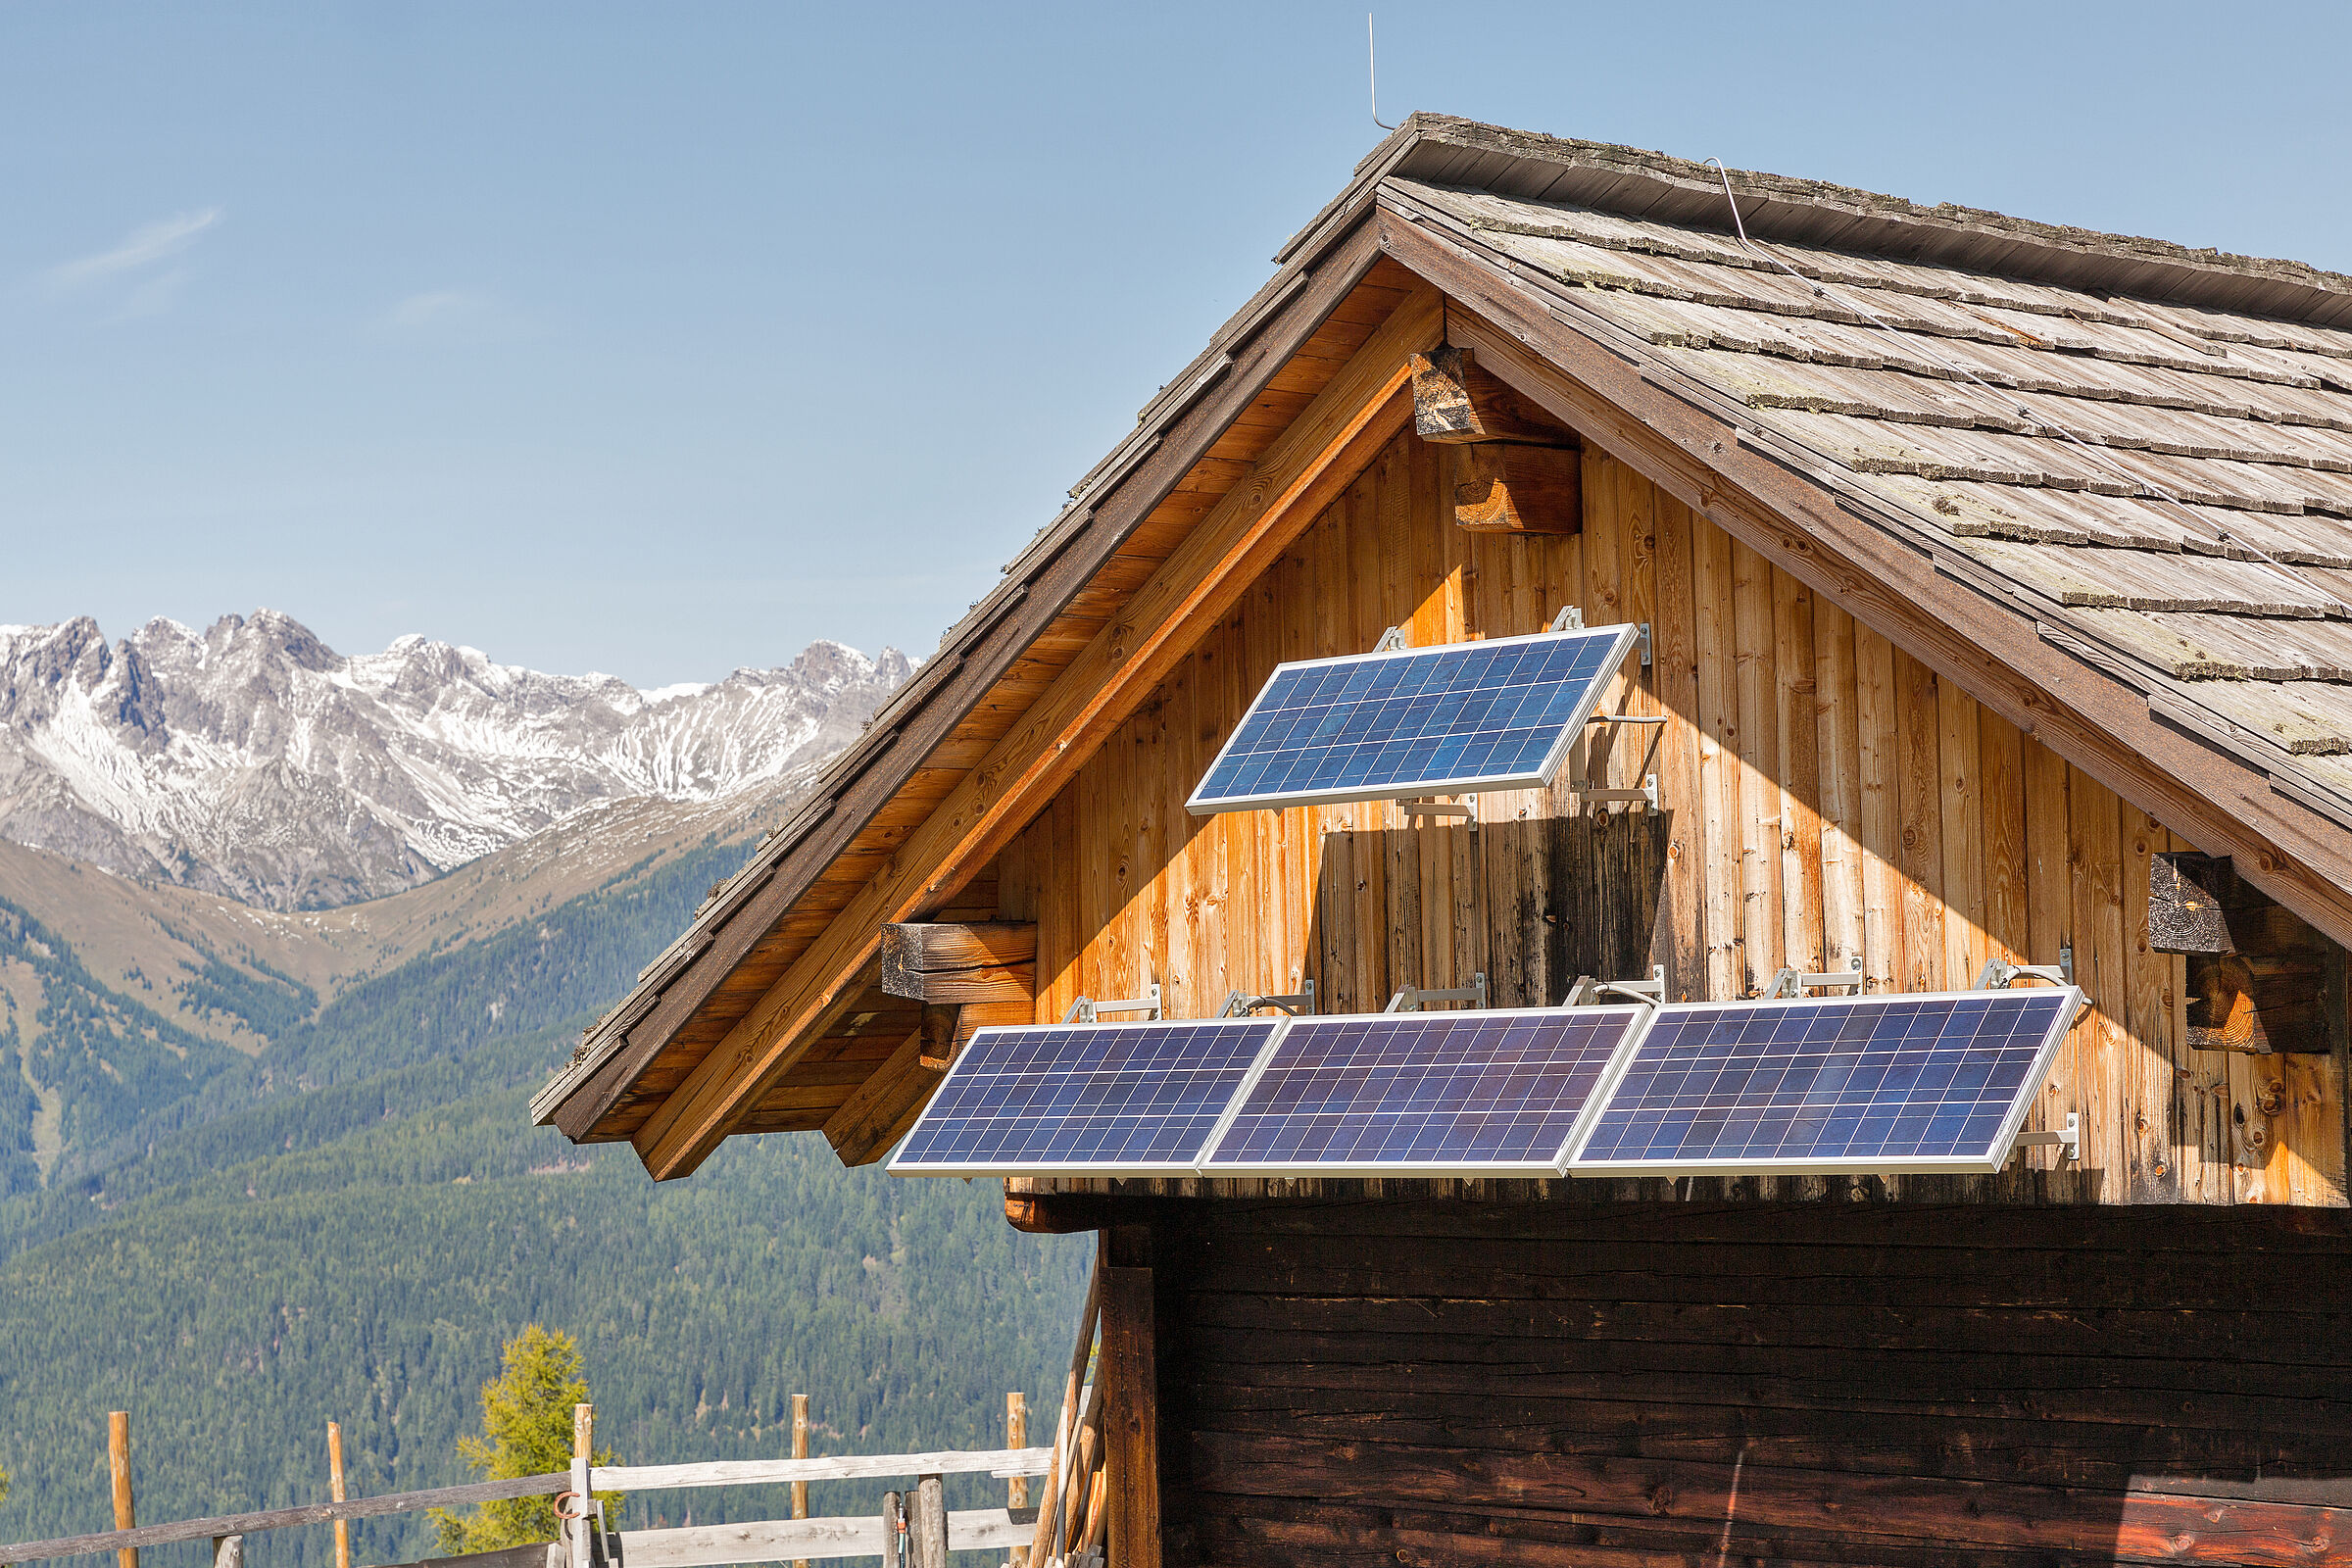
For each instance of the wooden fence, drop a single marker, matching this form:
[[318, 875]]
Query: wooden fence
[[695, 1547], [1065, 1529]]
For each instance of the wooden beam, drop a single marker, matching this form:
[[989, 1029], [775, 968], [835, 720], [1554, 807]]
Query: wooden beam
[[1366, 403], [1456, 401], [1505, 487], [2098, 723], [957, 963], [1063, 1214], [1131, 1417]]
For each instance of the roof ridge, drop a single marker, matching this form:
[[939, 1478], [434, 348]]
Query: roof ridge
[[1638, 182]]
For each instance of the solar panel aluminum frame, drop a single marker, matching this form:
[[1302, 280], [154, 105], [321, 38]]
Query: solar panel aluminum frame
[[1553, 761], [1189, 1167], [2004, 1144], [1545, 1168]]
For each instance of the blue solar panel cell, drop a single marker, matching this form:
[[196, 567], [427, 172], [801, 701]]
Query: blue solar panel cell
[[1850, 1085], [1456, 1093], [1446, 720], [1139, 1099]]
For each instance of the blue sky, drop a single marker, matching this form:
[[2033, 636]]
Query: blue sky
[[662, 340]]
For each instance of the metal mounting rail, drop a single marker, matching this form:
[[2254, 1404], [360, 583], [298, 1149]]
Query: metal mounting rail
[[1430, 805], [2070, 1141], [1410, 999], [1587, 992], [1998, 973], [1297, 1004], [1085, 1008], [1647, 794], [1795, 982]]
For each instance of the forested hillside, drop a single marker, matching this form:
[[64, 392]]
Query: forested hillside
[[348, 1225]]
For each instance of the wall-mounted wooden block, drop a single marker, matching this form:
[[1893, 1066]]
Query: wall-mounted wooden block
[[2259, 979], [981, 962], [1504, 487]]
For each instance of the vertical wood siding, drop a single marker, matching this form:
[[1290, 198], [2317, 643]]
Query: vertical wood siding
[[1827, 800]]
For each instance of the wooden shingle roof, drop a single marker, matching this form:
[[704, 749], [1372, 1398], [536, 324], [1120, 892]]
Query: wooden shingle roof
[[2171, 482]]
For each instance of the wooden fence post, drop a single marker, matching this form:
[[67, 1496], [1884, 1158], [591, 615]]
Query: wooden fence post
[[228, 1551], [931, 1522], [893, 1531], [583, 1442], [800, 1450], [334, 1487], [117, 1464], [1016, 1436]]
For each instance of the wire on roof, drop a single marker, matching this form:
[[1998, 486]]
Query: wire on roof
[[2140, 489]]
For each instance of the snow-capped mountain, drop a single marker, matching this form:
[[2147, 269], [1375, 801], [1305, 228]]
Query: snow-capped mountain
[[254, 760]]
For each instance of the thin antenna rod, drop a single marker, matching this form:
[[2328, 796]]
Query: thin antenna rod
[[1372, 72]]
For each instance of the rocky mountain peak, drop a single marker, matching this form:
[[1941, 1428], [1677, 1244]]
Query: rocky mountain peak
[[252, 760]]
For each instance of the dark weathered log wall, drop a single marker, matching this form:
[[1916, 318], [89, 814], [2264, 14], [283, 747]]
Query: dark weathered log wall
[[1651, 1384]]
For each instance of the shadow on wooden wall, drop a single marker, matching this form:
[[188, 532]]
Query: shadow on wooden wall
[[1534, 902]]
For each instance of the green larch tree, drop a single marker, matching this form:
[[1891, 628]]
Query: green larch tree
[[527, 1431]]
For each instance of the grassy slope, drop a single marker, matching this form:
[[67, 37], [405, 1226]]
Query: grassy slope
[[347, 1225]]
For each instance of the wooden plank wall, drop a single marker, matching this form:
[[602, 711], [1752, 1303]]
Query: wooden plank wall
[[1593, 1384], [1827, 803]]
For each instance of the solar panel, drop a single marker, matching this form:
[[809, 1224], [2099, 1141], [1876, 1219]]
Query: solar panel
[[1885, 1083], [1497, 1092], [1123, 1099], [1468, 716]]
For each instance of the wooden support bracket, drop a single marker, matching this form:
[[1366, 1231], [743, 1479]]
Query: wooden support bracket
[[1506, 488], [994, 961], [2261, 978]]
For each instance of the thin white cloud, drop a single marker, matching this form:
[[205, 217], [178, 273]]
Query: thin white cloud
[[145, 246]]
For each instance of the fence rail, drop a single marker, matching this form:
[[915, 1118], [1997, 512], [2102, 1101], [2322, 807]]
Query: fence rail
[[309, 1513], [998, 1462], [1002, 1463]]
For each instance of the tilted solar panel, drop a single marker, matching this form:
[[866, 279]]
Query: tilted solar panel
[[1464, 717], [1132, 1099], [1866, 1084], [1459, 1094]]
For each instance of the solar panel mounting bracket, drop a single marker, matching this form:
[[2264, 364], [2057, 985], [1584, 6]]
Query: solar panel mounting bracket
[[1795, 982], [1430, 805], [1085, 1008], [1570, 619], [2070, 1141], [1300, 1002], [1998, 974], [1410, 999], [1586, 991], [1647, 794], [1391, 641]]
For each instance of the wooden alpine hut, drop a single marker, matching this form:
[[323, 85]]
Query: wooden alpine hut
[[1970, 598]]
